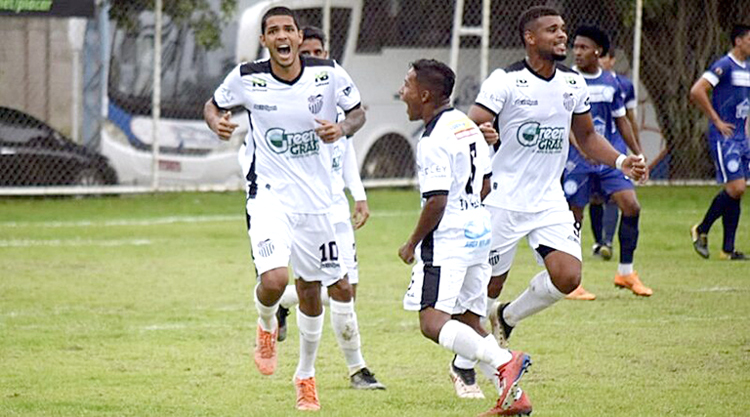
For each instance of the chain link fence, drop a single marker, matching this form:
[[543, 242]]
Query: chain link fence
[[76, 93]]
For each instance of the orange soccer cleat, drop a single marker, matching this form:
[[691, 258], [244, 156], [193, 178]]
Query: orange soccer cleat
[[633, 283], [520, 407], [265, 351], [307, 394], [580, 293]]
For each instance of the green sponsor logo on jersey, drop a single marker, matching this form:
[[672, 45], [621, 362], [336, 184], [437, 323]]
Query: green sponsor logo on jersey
[[295, 144], [258, 82], [544, 139]]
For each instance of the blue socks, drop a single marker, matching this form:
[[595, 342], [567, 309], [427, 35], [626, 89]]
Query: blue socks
[[609, 221], [730, 221], [628, 238]]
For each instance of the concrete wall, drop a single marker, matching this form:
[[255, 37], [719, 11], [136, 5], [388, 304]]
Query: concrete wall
[[35, 68]]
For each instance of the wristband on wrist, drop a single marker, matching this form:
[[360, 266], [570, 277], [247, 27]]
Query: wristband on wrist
[[618, 162]]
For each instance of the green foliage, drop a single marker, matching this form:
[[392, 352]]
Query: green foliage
[[141, 306], [198, 15]]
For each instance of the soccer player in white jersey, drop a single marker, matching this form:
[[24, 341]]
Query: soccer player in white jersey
[[291, 103], [344, 174], [535, 103], [451, 240]]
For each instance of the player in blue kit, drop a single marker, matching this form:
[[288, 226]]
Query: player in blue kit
[[727, 111], [605, 214], [609, 115]]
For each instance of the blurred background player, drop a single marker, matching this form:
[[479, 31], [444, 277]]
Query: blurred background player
[[344, 174], [289, 198], [536, 103], [603, 213], [609, 116], [451, 240], [727, 111]]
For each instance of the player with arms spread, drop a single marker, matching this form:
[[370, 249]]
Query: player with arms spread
[[535, 103], [728, 134], [452, 237], [291, 102]]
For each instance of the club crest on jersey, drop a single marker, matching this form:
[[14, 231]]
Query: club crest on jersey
[[520, 82], [571, 80], [742, 109], [265, 248], [315, 103], [321, 78], [295, 144], [544, 139], [569, 101]]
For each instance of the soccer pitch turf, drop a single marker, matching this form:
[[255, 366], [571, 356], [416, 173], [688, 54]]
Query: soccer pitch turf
[[141, 306]]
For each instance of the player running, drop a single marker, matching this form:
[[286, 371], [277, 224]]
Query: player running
[[451, 240], [291, 102], [344, 174], [535, 103]]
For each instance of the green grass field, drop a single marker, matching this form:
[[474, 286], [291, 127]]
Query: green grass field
[[141, 306]]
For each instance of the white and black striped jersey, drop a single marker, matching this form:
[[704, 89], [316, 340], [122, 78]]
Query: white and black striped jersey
[[533, 117], [453, 160], [282, 152]]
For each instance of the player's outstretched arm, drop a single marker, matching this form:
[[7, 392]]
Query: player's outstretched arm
[[598, 148], [432, 212], [699, 95], [219, 122]]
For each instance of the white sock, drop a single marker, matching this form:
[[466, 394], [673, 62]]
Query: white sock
[[463, 363], [325, 299], [266, 314], [290, 298], [625, 269], [310, 330], [346, 329], [463, 340], [489, 371], [541, 294]]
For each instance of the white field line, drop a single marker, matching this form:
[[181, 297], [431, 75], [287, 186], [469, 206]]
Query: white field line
[[25, 243], [154, 221]]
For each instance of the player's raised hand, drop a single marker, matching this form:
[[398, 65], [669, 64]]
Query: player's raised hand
[[406, 253], [328, 131], [490, 134], [726, 129], [361, 214], [224, 126], [634, 166]]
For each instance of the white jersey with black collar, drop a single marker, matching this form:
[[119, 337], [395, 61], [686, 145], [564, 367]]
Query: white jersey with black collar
[[282, 153], [533, 118]]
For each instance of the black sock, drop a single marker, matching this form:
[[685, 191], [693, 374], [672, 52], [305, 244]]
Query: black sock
[[628, 238], [596, 212], [730, 220], [716, 210], [609, 222]]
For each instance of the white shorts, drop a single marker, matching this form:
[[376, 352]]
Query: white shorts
[[347, 249], [555, 228], [453, 290], [307, 242]]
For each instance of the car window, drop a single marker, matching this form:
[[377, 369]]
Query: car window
[[14, 132]]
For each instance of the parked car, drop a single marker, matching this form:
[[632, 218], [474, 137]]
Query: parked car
[[33, 153]]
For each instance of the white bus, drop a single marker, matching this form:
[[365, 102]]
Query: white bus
[[374, 40]]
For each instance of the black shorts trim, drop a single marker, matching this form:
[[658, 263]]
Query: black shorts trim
[[430, 286]]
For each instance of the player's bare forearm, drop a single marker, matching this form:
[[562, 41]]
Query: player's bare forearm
[[354, 121], [591, 143], [699, 95], [486, 188], [626, 130], [218, 121], [630, 113], [430, 217]]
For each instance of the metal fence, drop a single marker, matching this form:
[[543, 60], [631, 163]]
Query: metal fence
[[77, 94]]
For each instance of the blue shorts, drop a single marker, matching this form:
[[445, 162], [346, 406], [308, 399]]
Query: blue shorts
[[579, 186], [731, 158]]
